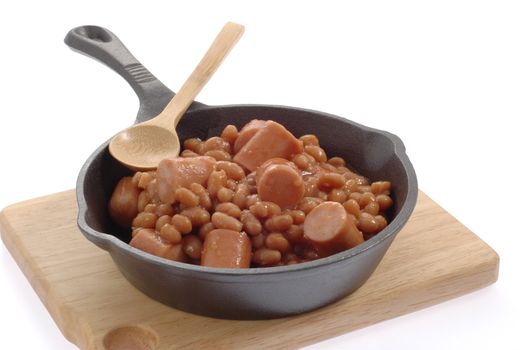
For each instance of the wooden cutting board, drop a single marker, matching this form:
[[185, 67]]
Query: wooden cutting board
[[433, 259]]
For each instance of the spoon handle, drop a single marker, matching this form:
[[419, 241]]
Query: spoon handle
[[223, 43], [101, 44]]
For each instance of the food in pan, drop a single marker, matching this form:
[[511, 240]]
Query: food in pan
[[256, 197]]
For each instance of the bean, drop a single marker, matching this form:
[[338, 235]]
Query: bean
[[230, 134], [279, 223], [225, 195], [337, 195], [205, 201], [144, 179], [251, 200], [182, 223], [350, 186], [194, 145], [384, 201], [145, 220], [215, 143], [192, 246], [301, 161], [197, 188], [161, 221], [198, 216], [372, 208], [232, 170], [352, 207], [382, 222], [316, 152], [170, 233], [381, 187], [188, 154], [204, 198], [222, 220], [294, 233], [230, 209], [240, 196], [164, 209], [364, 188], [367, 223], [219, 155], [150, 208], [265, 209], [350, 175], [337, 161], [297, 216], [311, 186], [278, 242], [266, 257], [216, 181], [357, 196], [308, 203], [142, 201], [331, 180], [366, 198], [310, 139], [251, 224], [186, 197], [329, 167], [257, 241]]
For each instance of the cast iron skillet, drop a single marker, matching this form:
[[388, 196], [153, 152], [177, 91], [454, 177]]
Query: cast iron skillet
[[255, 293]]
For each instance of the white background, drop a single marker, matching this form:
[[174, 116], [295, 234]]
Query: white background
[[448, 77]]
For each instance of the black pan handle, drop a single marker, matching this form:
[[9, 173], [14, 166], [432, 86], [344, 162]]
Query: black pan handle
[[101, 44]]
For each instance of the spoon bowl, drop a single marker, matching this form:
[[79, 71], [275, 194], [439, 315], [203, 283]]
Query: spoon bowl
[[142, 146]]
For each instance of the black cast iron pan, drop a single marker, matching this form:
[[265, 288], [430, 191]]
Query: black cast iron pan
[[255, 293]]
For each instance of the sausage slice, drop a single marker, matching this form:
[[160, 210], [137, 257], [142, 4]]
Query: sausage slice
[[271, 141], [149, 241], [279, 181], [330, 229], [247, 132], [123, 202], [226, 248], [173, 173]]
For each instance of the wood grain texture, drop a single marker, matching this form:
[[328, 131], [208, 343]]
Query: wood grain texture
[[433, 259]]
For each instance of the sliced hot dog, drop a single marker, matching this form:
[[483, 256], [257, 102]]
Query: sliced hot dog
[[330, 229], [273, 161], [149, 241], [123, 202], [173, 173], [279, 181], [247, 132], [226, 248], [271, 141]]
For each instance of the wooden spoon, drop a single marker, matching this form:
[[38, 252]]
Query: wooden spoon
[[142, 146]]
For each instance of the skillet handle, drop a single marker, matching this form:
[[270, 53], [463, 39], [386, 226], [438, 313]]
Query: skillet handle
[[101, 44]]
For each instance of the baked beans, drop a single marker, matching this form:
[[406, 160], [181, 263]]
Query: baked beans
[[226, 199]]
